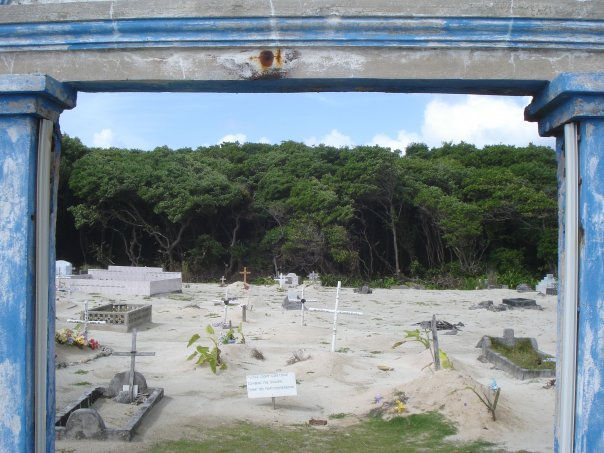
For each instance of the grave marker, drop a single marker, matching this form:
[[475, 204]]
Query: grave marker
[[280, 280], [245, 273], [133, 354], [335, 312], [271, 385], [85, 321]]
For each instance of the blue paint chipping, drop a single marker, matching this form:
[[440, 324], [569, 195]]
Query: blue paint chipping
[[589, 427], [414, 32], [18, 147], [23, 101], [580, 98]]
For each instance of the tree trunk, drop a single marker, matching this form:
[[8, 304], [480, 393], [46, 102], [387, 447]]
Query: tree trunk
[[397, 268]]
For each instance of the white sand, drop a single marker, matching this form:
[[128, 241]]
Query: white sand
[[343, 382]]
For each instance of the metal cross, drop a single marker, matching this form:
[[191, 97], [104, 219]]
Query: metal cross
[[133, 354], [85, 321], [335, 312]]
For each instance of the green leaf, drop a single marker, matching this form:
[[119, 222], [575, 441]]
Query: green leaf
[[193, 339], [203, 349], [192, 355], [223, 366], [210, 330], [213, 365]]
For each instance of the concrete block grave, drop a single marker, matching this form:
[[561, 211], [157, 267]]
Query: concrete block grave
[[82, 419], [140, 281], [521, 302], [120, 317], [497, 358]]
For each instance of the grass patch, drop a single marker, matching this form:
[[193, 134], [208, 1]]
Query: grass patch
[[338, 416], [343, 350], [82, 383], [81, 372], [414, 433], [522, 354]]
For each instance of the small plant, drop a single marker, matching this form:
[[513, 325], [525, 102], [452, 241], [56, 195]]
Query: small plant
[[81, 372], [206, 355], [82, 383], [231, 338], [491, 405], [424, 339]]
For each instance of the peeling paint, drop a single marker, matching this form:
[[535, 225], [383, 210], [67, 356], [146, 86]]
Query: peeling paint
[[9, 405]]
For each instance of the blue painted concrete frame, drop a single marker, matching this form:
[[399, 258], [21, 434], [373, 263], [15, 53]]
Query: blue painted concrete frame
[[579, 98], [24, 100]]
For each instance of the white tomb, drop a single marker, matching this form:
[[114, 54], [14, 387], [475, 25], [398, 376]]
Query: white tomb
[[548, 282], [63, 268], [140, 281]]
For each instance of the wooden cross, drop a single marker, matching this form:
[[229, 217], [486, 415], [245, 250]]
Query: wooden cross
[[245, 273], [85, 321], [335, 312], [133, 354]]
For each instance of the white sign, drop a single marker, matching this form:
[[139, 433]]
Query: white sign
[[271, 385]]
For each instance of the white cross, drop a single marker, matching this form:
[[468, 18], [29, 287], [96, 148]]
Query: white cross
[[222, 279], [281, 280], [335, 312], [133, 354], [85, 321]]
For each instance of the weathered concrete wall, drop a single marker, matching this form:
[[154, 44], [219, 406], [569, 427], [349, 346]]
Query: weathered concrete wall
[[314, 45]]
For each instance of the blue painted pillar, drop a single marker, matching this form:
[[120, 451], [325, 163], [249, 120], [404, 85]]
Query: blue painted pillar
[[24, 102], [579, 99]]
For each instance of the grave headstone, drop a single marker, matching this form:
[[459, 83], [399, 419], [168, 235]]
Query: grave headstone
[[292, 301], [363, 290], [245, 273], [85, 320], [131, 375], [291, 279], [85, 423], [523, 288], [281, 280]]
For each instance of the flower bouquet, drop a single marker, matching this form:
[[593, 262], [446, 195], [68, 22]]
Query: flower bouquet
[[76, 338]]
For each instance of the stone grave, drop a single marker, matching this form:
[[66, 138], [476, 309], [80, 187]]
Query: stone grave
[[63, 268], [313, 277], [120, 317], [505, 364], [140, 281], [363, 290], [82, 419], [521, 302]]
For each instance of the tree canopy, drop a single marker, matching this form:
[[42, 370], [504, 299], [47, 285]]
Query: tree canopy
[[365, 211]]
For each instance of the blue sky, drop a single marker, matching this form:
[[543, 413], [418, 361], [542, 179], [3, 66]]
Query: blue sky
[[147, 120]]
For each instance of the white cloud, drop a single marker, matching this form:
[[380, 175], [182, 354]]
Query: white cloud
[[480, 120], [103, 138], [232, 138], [334, 138], [400, 142], [263, 140]]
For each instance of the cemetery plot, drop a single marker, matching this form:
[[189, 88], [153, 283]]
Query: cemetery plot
[[349, 381], [120, 317], [144, 281]]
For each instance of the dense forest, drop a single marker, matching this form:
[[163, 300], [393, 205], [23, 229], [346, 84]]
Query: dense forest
[[446, 215]]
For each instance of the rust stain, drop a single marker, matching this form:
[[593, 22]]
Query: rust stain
[[266, 58]]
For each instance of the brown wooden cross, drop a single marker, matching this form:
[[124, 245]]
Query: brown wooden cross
[[245, 273]]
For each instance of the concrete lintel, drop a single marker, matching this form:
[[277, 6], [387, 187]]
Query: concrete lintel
[[34, 94], [569, 97], [35, 10]]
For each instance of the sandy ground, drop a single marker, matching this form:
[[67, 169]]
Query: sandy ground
[[328, 383]]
